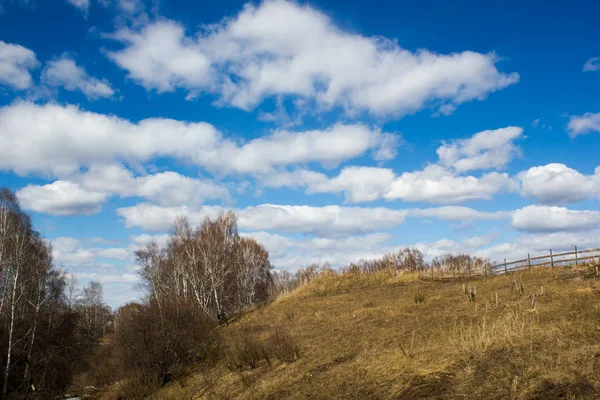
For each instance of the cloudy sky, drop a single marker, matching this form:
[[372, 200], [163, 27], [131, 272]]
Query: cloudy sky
[[336, 130]]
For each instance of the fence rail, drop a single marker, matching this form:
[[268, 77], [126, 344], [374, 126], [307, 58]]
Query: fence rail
[[552, 259]]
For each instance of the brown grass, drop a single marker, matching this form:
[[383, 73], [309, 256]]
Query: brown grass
[[365, 337]]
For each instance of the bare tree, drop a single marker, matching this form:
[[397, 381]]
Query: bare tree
[[211, 265]]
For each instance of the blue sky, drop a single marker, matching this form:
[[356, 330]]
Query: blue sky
[[336, 130]]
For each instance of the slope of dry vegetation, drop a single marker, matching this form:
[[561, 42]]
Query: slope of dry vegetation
[[391, 335]]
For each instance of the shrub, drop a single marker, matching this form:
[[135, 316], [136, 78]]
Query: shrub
[[246, 353], [153, 341], [282, 345]]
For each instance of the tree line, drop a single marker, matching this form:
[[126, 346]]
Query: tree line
[[46, 327]]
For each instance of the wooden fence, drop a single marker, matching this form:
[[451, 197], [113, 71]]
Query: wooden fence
[[566, 259]]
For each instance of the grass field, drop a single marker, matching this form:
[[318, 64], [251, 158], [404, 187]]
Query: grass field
[[387, 336]]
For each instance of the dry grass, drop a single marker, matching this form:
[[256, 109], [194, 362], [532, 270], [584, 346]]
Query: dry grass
[[366, 337]]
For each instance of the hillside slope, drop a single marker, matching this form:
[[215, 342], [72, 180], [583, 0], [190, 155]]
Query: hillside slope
[[367, 337]]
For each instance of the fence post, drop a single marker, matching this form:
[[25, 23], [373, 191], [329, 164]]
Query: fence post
[[505, 269], [528, 261], [551, 259], [575, 255], [485, 270]]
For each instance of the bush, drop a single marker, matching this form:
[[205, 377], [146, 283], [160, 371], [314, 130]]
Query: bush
[[246, 353], [282, 345], [152, 342]]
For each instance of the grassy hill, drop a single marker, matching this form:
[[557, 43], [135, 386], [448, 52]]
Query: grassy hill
[[388, 336]]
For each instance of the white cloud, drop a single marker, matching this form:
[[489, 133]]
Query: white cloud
[[438, 183], [457, 213], [538, 244], [485, 150], [66, 251], [558, 184], [554, 219], [165, 188], [161, 57], [435, 184], [361, 184], [86, 193], [479, 241], [62, 139], [290, 254], [296, 178], [65, 72], [78, 253], [15, 63], [325, 221], [277, 245], [559, 241], [156, 218], [108, 278], [593, 64], [131, 7], [321, 221], [143, 239], [115, 253], [283, 48], [329, 147], [60, 198], [587, 123], [83, 5]]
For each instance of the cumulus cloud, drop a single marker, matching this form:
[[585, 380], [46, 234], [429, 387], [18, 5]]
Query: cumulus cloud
[[329, 147], [485, 150], [60, 198], [15, 63], [435, 184], [64, 72], [557, 184], [361, 184], [581, 125], [321, 221], [154, 218], [292, 253], [74, 252], [62, 139], [537, 218], [165, 188], [161, 57], [283, 48], [87, 191], [593, 64]]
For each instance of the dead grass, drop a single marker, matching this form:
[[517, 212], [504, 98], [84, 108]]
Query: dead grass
[[365, 337]]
